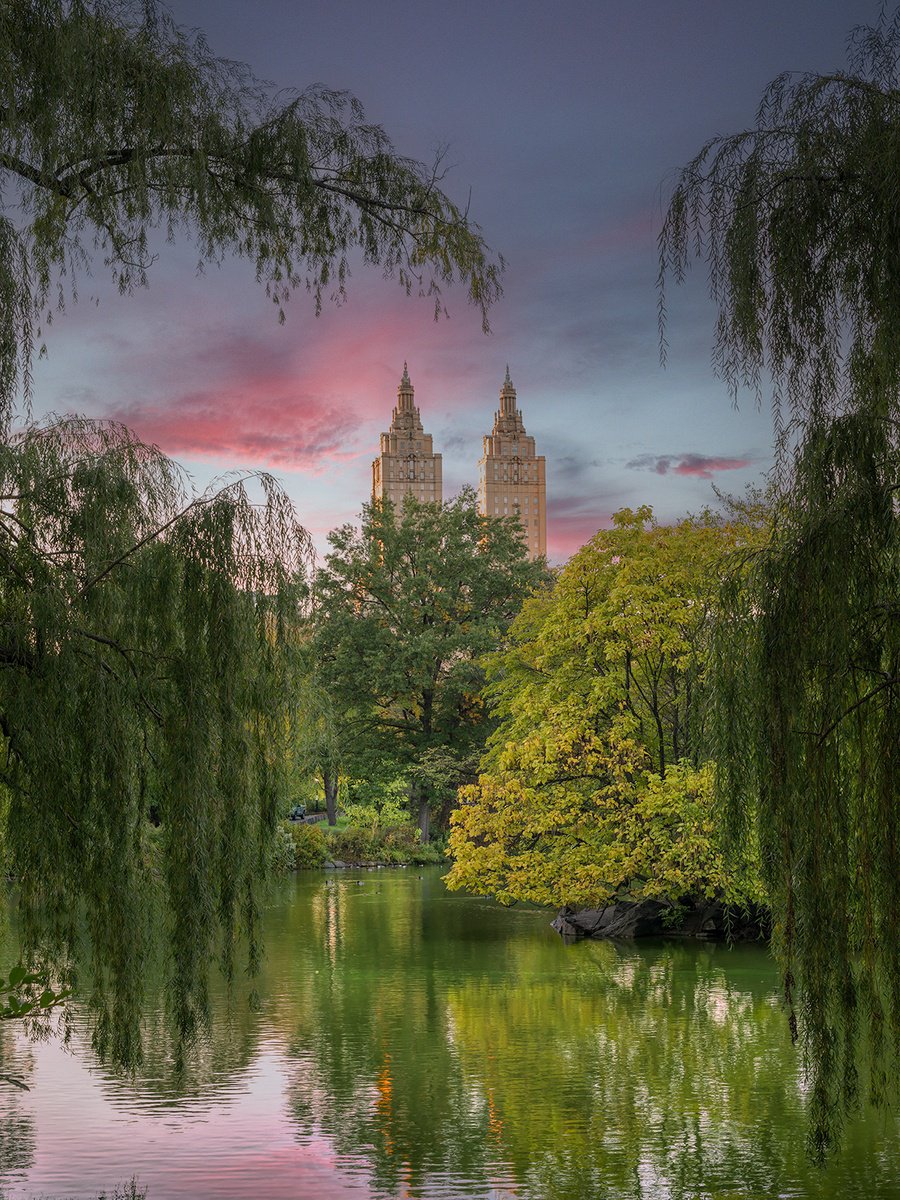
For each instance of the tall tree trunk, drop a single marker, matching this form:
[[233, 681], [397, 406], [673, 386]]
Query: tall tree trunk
[[427, 710], [657, 717], [330, 784], [676, 727]]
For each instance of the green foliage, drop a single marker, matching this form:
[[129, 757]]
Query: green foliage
[[28, 992], [4, 815], [146, 671], [310, 845], [396, 843], [594, 787], [114, 123], [402, 837], [282, 858], [429, 855], [405, 607], [353, 843], [577, 820], [798, 221], [392, 811], [378, 793], [623, 638], [318, 726]]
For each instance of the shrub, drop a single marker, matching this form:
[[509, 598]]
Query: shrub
[[352, 844], [309, 843], [426, 856], [394, 845], [401, 837], [131, 1191]]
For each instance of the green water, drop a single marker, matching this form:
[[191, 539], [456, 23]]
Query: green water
[[415, 1043]]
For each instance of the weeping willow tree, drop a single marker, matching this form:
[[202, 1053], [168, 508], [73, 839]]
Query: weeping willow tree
[[145, 699], [799, 223], [146, 632], [114, 123]]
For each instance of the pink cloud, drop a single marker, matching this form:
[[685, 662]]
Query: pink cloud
[[701, 466], [265, 399], [258, 423], [705, 468]]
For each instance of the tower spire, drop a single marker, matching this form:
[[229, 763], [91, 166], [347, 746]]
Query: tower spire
[[405, 391], [407, 464], [512, 475], [508, 396]]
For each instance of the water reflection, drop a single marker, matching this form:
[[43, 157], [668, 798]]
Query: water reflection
[[413, 1043], [16, 1127], [16, 1060]]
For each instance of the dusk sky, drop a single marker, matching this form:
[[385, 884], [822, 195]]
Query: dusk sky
[[566, 122]]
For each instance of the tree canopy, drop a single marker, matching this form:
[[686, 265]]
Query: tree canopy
[[144, 702], [595, 786], [797, 219], [405, 606], [115, 123]]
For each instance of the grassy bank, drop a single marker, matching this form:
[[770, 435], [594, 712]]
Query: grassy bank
[[299, 846]]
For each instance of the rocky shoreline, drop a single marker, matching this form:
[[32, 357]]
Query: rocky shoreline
[[711, 920]]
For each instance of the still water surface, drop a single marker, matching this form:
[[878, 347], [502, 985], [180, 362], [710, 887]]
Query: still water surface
[[419, 1044]]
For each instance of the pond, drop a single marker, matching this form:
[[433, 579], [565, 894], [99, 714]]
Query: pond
[[411, 1042]]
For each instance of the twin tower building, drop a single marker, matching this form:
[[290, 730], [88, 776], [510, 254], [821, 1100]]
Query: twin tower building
[[512, 478]]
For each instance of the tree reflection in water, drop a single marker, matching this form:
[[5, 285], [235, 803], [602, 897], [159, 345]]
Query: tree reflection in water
[[16, 1126], [444, 1047], [444, 1040]]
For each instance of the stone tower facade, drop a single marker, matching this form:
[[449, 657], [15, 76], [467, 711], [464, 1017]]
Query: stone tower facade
[[512, 478], [407, 462]]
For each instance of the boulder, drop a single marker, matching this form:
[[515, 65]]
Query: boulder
[[565, 927], [709, 919], [644, 919]]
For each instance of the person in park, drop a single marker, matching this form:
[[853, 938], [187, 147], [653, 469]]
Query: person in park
[[147, 632], [799, 224]]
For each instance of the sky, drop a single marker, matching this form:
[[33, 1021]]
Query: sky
[[564, 123]]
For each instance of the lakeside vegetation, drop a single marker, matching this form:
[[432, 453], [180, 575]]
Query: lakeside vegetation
[[367, 838]]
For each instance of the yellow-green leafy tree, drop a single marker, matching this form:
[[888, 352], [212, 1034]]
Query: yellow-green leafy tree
[[595, 785]]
